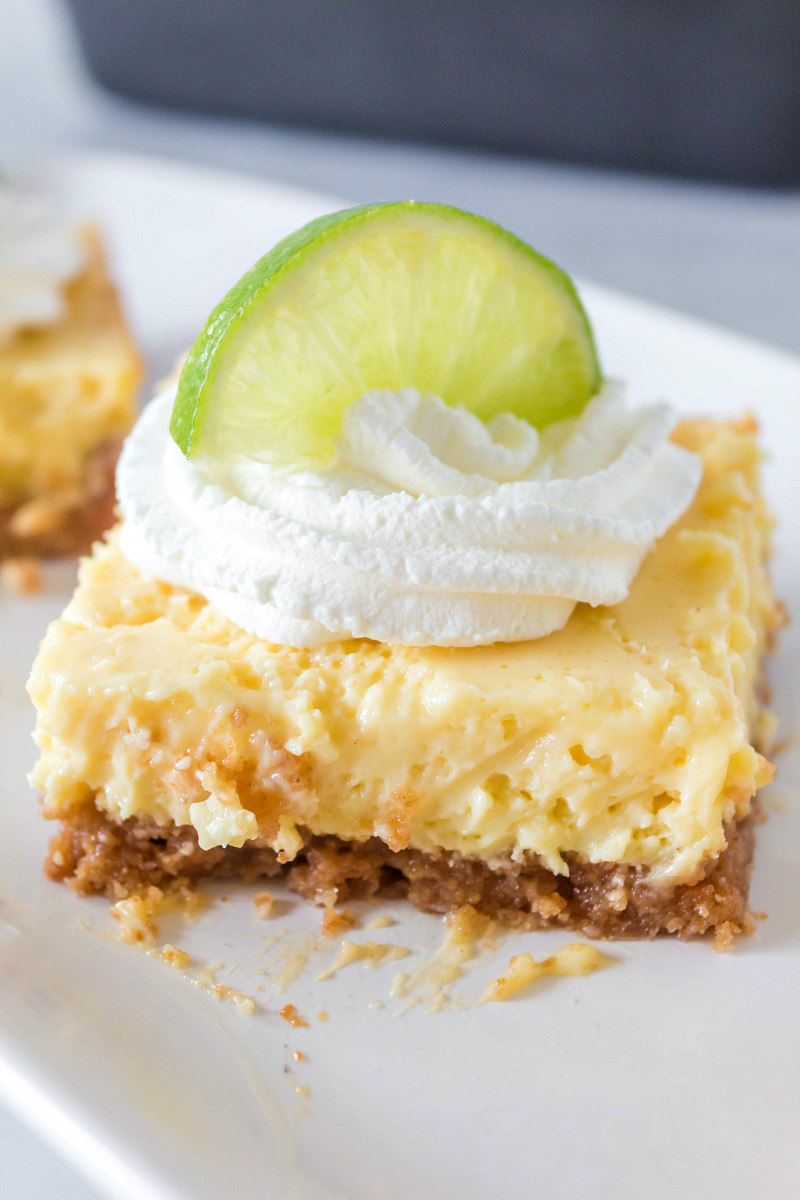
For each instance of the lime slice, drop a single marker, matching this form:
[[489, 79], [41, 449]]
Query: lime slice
[[384, 296]]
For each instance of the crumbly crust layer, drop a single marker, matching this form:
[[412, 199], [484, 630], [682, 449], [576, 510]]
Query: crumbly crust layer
[[67, 524], [602, 900]]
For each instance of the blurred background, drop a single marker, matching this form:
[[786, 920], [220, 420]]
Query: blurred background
[[649, 145]]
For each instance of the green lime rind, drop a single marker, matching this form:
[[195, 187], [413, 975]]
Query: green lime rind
[[443, 300]]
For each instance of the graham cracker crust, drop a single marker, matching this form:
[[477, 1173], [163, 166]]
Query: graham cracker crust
[[68, 524], [602, 900]]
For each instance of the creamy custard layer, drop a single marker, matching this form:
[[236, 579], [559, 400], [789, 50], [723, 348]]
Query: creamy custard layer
[[66, 388], [624, 737]]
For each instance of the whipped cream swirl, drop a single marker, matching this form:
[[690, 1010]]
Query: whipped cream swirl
[[429, 528], [39, 253]]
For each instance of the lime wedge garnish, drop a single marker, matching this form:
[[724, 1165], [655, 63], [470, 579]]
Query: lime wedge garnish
[[384, 296]]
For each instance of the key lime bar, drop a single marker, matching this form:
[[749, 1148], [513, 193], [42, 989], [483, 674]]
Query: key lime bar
[[406, 597], [67, 399], [601, 778]]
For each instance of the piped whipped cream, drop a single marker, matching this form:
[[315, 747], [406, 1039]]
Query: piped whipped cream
[[429, 527], [39, 252]]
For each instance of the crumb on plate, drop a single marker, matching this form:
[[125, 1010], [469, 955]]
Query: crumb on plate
[[265, 903], [293, 1017], [523, 969], [336, 921], [22, 576]]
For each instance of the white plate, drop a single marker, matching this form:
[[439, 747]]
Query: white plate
[[674, 1074]]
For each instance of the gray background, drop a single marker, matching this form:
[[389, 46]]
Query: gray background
[[727, 255]]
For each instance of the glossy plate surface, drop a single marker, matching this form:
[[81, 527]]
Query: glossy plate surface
[[672, 1074]]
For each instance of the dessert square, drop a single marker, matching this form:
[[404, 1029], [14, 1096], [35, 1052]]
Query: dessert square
[[67, 399], [600, 778]]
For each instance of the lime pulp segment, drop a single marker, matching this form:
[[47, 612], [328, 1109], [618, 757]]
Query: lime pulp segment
[[383, 296]]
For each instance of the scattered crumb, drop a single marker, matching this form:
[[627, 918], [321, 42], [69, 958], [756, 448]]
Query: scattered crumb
[[400, 984], [298, 1056], [22, 576], [523, 969], [264, 902], [135, 915], [373, 954], [464, 926], [245, 1004], [292, 970], [322, 1016], [410, 1002], [336, 921], [379, 922], [207, 975], [435, 976], [174, 957], [301, 1090], [377, 1004], [293, 1017]]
